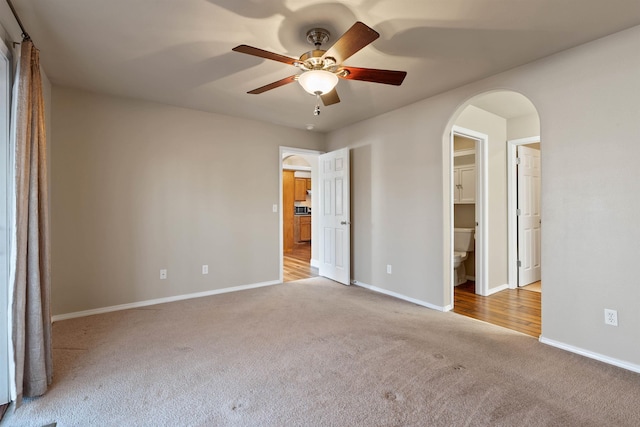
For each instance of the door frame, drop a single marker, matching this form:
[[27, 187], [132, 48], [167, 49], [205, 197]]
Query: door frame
[[512, 202], [482, 215], [314, 223], [6, 192]]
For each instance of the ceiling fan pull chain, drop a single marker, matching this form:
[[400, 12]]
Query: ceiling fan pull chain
[[316, 111]]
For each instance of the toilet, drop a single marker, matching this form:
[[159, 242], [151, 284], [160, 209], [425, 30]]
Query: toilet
[[463, 243]]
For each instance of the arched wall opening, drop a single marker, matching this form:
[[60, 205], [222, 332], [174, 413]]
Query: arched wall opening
[[479, 146]]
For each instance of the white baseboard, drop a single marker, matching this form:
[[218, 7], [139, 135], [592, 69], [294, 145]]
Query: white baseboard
[[586, 353], [314, 263], [471, 278], [138, 304], [496, 289], [400, 296]]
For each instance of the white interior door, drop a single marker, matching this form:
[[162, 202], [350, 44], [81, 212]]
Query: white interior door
[[528, 215], [335, 230]]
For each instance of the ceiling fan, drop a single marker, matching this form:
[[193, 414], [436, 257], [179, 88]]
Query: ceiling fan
[[321, 69]]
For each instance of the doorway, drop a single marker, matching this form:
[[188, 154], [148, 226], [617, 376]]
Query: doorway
[[469, 192], [525, 223], [298, 179], [330, 200]]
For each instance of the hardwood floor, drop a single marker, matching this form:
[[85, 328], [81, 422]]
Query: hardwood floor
[[517, 309], [296, 263], [535, 286]]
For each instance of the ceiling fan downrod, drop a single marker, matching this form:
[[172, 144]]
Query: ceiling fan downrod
[[318, 36]]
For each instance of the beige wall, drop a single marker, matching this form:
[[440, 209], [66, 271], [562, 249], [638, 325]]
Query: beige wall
[[462, 143], [139, 186], [589, 127], [392, 220], [464, 215], [9, 28], [523, 126]]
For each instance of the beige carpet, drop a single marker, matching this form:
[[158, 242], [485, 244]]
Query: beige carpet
[[320, 354]]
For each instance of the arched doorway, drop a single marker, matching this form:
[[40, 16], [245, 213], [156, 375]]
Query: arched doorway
[[486, 134]]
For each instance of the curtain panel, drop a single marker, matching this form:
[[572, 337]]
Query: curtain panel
[[30, 276]]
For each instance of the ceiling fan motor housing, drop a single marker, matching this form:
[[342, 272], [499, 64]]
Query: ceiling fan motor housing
[[314, 60]]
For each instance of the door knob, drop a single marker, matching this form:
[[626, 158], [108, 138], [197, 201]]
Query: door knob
[[344, 222]]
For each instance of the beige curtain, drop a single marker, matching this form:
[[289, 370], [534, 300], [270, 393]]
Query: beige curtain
[[30, 270]]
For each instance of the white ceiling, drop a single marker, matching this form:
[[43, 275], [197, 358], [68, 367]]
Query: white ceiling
[[179, 52]]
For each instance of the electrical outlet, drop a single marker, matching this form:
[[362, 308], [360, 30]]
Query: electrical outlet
[[275, 208], [389, 269], [163, 274], [205, 269], [610, 317]]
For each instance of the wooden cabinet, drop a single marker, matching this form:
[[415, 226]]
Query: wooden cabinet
[[300, 190], [305, 228], [464, 184], [308, 183], [302, 229], [287, 211]]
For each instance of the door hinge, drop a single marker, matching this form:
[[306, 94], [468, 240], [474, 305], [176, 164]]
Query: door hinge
[[519, 263], [518, 212], [518, 160]]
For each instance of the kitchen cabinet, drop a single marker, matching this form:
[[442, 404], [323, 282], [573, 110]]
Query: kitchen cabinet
[[300, 190], [305, 228], [308, 183], [464, 184], [287, 211], [302, 228]]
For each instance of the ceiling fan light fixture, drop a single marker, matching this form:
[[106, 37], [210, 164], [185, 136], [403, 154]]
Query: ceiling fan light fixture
[[318, 81]]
